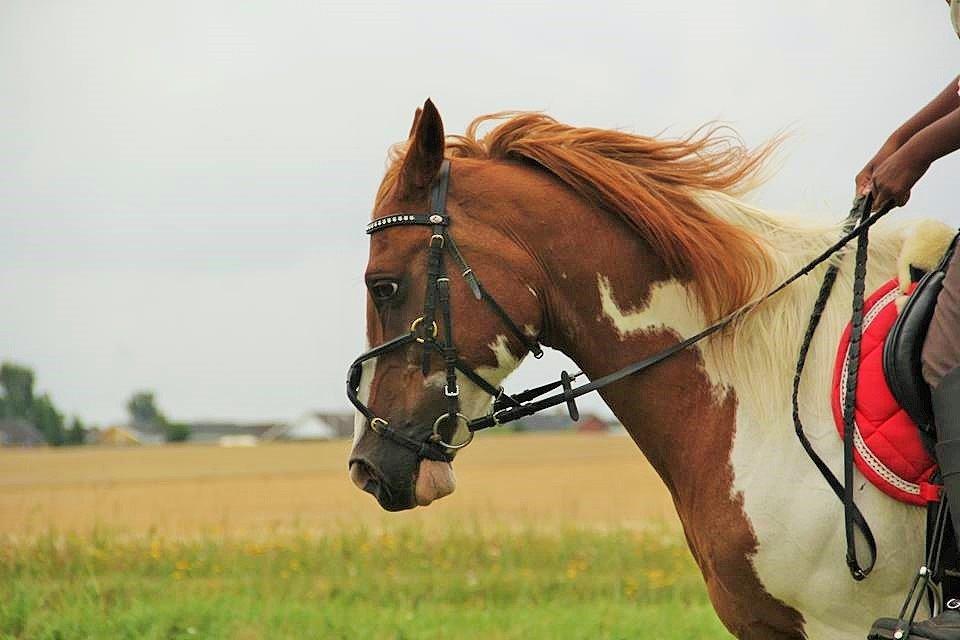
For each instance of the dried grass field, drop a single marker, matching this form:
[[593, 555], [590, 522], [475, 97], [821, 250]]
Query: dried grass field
[[547, 536], [525, 480]]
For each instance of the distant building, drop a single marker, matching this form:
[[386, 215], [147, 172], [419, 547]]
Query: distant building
[[17, 432], [315, 425], [117, 436], [558, 421], [238, 441], [592, 424], [214, 432]]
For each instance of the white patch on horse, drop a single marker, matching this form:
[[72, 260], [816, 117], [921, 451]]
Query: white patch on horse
[[670, 307], [474, 401], [785, 499], [363, 393]]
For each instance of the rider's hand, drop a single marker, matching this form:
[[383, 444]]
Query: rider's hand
[[895, 176], [864, 179]]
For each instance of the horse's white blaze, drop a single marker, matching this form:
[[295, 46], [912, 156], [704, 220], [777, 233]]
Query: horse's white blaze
[[796, 519], [363, 393]]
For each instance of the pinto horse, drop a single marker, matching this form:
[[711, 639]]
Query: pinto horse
[[610, 247]]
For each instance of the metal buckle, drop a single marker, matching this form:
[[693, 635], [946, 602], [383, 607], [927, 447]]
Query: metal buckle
[[439, 439], [416, 323], [496, 415], [439, 237], [451, 394], [373, 425]]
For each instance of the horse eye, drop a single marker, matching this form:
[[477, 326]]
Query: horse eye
[[383, 290]]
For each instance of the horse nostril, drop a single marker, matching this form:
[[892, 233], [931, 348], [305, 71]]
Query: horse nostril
[[361, 474]]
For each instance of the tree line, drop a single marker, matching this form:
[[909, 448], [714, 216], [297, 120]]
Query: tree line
[[18, 399]]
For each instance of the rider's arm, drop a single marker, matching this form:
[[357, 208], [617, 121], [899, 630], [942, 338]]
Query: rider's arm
[[945, 102], [936, 140], [894, 178]]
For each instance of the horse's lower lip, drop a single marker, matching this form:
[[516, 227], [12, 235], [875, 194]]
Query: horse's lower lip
[[432, 481], [386, 498]]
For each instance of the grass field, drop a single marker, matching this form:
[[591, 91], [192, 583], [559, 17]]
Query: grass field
[[546, 537]]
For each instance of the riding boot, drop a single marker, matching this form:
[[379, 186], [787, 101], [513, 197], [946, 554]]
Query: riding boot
[[946, 410]]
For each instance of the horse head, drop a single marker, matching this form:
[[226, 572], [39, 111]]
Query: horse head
[[456, 346]]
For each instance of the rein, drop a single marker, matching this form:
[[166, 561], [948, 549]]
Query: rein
[[443, 441]]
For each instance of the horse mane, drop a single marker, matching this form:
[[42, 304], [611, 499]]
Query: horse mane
[[652, 184]]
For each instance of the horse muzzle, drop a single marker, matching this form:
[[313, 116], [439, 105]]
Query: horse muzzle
[[391, 497]]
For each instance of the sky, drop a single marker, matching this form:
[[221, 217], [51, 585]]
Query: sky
[[184, 184]]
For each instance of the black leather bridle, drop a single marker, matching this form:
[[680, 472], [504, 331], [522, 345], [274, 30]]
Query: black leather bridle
[[425, 331]]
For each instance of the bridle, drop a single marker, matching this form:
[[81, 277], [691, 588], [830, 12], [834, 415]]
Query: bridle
[[424, 330]]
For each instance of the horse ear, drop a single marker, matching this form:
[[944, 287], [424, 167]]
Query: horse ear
[[416, 121], [424, 152]]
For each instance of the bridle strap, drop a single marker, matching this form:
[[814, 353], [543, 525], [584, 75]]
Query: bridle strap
[[480, 293], [853, 517]]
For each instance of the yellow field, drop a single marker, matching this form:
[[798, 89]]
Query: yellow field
[[503, 480]]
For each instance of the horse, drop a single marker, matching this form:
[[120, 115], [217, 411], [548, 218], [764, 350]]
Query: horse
[[610, 246]]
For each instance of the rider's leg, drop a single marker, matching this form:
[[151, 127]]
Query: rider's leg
[[941, 370]]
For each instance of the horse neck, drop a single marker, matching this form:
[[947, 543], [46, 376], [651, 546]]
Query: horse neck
[[611, 302]]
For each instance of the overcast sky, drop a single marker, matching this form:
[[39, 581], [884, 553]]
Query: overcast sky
[[184, 184]]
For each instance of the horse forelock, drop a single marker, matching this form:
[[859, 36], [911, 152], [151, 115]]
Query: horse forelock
[[652, 184]]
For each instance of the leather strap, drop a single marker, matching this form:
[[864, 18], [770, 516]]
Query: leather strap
[[850, 403]]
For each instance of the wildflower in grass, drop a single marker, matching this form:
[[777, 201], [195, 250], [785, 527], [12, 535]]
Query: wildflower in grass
[[659, 579], [576, 566]]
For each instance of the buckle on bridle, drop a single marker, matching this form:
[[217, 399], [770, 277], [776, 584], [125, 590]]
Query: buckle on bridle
[[373, 425], [451, 394], [439, 237]]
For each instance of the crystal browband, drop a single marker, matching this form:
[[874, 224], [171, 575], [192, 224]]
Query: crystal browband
[[405, 218]]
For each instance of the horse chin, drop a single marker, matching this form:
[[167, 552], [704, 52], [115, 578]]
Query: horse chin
[[434, 481]]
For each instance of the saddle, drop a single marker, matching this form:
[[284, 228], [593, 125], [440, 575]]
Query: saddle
[[904, 344]]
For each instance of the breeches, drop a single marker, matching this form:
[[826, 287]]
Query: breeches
[[941, 349]]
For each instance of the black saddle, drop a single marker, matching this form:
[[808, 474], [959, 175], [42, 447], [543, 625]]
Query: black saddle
[[904, 344]]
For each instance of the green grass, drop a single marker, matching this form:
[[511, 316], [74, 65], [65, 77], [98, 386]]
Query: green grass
[[358, 584]]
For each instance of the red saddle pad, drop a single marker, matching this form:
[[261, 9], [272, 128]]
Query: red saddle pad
[[887, 445]]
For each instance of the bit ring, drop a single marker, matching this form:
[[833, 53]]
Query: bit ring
[[433, 329], [439, 439]]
